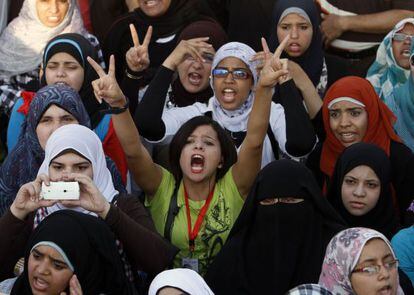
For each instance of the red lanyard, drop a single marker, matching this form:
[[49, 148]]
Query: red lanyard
[[192, 235]]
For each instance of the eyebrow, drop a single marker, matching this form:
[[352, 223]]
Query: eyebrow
[[375, 259], [65, 62], [51, 258]]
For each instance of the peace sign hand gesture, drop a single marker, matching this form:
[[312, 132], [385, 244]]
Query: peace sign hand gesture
[[106, 87], [275, 69], [137, 56]]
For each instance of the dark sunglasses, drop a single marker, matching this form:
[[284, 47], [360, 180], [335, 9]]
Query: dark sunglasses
[[401, 37], [238, 74]]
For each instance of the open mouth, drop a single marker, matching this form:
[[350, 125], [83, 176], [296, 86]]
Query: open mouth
[[386, 290], [406, 53], [197, 163], [194, 79], [62, 83], [228, 94], [294, 47], [40, 284], [151, 3]]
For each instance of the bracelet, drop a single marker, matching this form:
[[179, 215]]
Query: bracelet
[[112, 110], [129, 75]]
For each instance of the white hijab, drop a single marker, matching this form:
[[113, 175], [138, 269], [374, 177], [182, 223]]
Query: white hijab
[[87, 143], [24, 39], [235, 120], [185, 279]]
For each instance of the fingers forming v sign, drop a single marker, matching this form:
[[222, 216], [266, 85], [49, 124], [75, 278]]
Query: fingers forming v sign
[[137, 56], [106, 87], [275, 69]]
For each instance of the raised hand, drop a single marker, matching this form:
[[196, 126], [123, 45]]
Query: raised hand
[[275, 69], [28, 198], [137, 56], [106, 87], [193, 48], [332, 26], [74, 287], [90, 197]]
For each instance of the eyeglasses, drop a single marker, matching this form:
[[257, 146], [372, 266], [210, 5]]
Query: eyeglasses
[[238, 74], [402, 37], [375, 269], [208, 57]]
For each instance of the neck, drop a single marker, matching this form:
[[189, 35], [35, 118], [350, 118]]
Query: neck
[[199, 191]]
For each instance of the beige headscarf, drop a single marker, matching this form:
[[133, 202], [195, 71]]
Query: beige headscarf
[[24, 39]]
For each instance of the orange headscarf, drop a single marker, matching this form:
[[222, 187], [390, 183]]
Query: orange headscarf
[[380, 119]]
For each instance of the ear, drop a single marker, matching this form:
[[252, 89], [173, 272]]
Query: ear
[[220, 164]]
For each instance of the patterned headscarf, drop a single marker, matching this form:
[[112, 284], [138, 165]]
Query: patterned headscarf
[[24, 39], [22, 163], [402, 105], [309, 289], [235, 120], [385, 74], [342, 255]]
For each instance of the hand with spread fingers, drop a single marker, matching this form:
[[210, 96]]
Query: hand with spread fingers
[[275, 69], [90, 198], [28, 198], [137, 57], [332, 27], [74, 287], [106, 87], [195, 49]]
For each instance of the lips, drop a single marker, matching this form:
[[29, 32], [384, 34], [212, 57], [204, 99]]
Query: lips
[[194, 79], [228, 94], [197, 163], [53, 19], [294, 47], [348, 137], [357, 205], [40, 284], [386, 290], [406, 53], [151, 3]]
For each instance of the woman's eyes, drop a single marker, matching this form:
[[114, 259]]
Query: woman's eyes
[[372, 185], [82, 168], [333, 114], [57, 167], [349, 181], [355, 113]]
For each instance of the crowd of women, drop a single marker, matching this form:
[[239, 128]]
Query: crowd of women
[[204, 166]]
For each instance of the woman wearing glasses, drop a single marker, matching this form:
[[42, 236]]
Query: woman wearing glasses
[[233, 80], [392, 67], [360, 261], [196, 202]]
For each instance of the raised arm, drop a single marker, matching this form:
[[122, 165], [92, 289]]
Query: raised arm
[[148, 115], [146, 173], [250, 155], [333, 26]]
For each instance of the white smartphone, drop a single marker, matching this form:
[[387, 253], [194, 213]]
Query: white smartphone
[[60, 191]]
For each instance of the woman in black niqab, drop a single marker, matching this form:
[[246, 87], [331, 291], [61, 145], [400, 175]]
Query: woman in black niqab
[[275, 247]]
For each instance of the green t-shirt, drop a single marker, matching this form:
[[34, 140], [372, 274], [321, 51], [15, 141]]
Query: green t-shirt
[[220, 217]]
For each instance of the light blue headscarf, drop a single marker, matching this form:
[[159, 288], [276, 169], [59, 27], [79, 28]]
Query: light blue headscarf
[[385, 74], [403, 107]]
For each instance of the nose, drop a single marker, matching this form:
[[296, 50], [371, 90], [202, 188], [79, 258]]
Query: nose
[[384, 273], [54, 6], [359, 190], [344, 120], [60, 72], [43, 267], [198, 144], [294, 33], [229, 78]]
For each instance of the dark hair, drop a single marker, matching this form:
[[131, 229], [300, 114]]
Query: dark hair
[[68, 151], [228, 150]]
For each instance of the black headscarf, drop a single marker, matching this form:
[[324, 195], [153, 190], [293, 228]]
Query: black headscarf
[[90, 247], [217, 37], [273, 248], [310, 61], [382, 217], [80, 48], [179, 14]]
